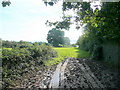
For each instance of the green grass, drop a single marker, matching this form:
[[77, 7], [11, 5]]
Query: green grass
[[65, 53], [8, 48]]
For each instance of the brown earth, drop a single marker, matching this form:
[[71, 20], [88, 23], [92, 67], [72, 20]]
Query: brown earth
[[79, 73]]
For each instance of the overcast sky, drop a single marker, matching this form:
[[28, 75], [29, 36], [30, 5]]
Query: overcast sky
[[25, 20]]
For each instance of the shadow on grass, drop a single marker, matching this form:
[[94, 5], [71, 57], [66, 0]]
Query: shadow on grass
[[82, 53]]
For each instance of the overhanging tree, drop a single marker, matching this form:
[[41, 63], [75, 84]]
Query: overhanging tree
[[5, 3]]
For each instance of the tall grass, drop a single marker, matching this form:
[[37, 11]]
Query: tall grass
[[65, 53]]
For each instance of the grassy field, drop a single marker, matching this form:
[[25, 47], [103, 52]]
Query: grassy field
[[67, 52]]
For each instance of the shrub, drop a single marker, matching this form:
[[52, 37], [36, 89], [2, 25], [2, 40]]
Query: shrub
[[18, 61], [97, 52]]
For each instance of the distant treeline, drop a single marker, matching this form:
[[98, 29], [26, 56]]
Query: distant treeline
[[21, 44]]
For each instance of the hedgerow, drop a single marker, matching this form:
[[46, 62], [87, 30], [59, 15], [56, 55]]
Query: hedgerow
[[18, 61]]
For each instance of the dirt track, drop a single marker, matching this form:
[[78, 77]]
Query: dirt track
[[84, 73], [76, 73]]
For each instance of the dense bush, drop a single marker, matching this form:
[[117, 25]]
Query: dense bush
[[18, 61], [91, 44], [97, 52]]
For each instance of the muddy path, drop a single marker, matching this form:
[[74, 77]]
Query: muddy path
[[84, 73], [73, 73], [58, 76], [84, 78]]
